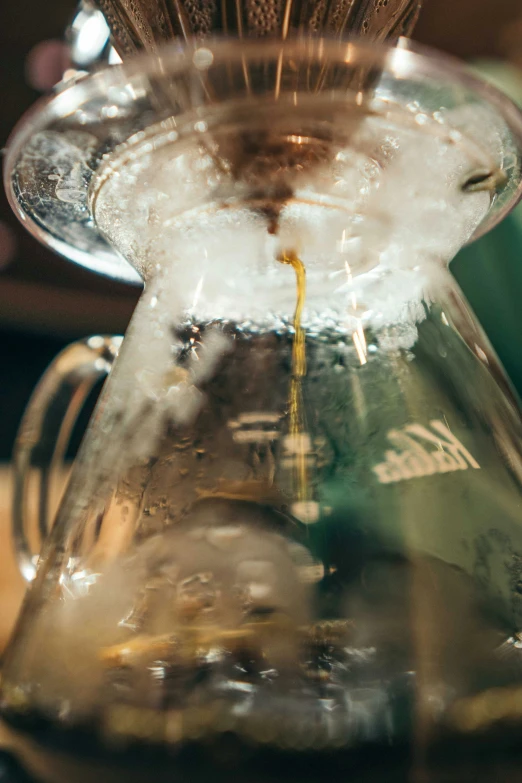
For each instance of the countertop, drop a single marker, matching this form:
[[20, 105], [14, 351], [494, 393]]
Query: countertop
[[12, 585]]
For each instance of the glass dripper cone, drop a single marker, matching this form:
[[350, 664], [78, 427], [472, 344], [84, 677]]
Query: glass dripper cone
[[149, 24]]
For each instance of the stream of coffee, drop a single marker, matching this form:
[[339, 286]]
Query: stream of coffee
[[297, 429]]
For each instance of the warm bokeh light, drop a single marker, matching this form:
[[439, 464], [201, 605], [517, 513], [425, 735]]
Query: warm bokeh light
[[46, 63], [8, 245]]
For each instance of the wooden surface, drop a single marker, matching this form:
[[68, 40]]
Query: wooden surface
[[12, 585]]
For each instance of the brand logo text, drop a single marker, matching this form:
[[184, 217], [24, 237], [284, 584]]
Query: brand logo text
[[419, 451]]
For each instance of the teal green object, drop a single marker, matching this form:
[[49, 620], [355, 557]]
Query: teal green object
[[490, 271]]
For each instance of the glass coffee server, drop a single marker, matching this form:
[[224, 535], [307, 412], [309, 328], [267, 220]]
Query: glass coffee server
[[291, 543]]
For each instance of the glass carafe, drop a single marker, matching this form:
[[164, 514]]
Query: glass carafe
[[292, 534]]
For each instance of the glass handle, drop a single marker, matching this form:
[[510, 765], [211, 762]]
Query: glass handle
[[45, 431]]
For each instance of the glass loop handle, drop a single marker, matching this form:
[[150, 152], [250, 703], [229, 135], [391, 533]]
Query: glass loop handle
[[45, 431]]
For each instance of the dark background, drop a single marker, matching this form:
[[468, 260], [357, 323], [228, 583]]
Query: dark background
[[46, 301]]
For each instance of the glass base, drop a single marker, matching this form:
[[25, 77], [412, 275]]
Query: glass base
[[54, 757]]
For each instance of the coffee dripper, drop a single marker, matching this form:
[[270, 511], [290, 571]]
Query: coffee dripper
[[292, 534]]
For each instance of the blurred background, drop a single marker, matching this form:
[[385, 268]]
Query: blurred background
[[45, 301]]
